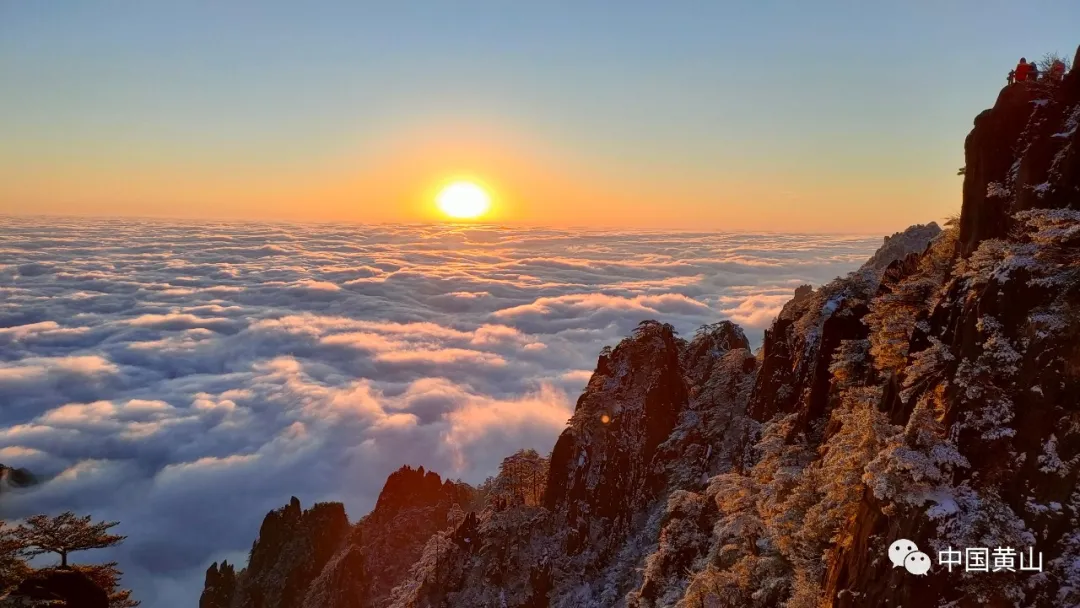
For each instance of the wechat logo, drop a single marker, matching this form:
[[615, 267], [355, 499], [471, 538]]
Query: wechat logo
[[904, 553]]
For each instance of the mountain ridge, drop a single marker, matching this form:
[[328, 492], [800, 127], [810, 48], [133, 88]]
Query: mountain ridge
[[929, 395]]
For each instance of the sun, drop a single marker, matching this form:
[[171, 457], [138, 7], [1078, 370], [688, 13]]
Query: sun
[[463, 200]]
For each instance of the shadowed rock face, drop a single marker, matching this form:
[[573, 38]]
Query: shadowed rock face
[[292, 548], [412, 506], [62, 588], [990, 153], [601, 465], [220, 586]]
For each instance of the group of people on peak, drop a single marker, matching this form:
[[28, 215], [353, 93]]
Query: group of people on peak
[[1029, 72]]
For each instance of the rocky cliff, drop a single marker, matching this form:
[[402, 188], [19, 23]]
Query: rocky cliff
[[293, 547], [316, 558], [931, 395], [412, 507], [800, 345], [988, 391], [659, 416]]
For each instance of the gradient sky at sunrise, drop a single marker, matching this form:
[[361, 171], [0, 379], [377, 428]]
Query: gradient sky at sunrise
[[823, 116]]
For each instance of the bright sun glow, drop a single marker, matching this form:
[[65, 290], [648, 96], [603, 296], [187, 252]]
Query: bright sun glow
[[463, 200]]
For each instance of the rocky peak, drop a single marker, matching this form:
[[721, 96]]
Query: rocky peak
[[710, 344], [719, 370], [798, 348], [802, 292], [220, 586], [658, 416], [414, 504], [601, 465], [314, 558], [12, 478], [292, 548], [716, 365], [291, 523], [408, 487], [902, 244]]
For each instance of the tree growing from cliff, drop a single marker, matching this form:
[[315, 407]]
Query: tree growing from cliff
[[455, 516], [1048, 60], [64, 534], [833, 488], [918, 464], [893, 314], [522, 478]]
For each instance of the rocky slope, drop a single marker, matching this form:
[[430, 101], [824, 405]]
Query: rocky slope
[[931, 395]]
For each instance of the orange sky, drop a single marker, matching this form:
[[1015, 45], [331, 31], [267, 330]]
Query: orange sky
[[811, 118], [394, 178]]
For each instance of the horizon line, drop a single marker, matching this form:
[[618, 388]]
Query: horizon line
[[4, 216]]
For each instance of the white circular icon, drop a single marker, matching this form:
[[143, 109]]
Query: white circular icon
[[917, 562], [899, 550]]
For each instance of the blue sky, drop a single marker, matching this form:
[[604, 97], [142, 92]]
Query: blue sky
[[829, 100]]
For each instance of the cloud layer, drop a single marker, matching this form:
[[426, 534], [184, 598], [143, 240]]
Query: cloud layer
[[186, 378]]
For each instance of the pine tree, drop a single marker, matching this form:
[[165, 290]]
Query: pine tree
[[894, 313], [522, 478], [64, 534], [917, 464], [455, 516]]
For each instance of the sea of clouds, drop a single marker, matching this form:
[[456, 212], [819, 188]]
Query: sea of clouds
[[186, 378]]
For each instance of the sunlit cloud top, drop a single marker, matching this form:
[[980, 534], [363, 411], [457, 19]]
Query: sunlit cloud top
[[162, 374]]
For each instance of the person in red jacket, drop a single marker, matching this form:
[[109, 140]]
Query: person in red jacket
[[1057, 70], [1022, 70]]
